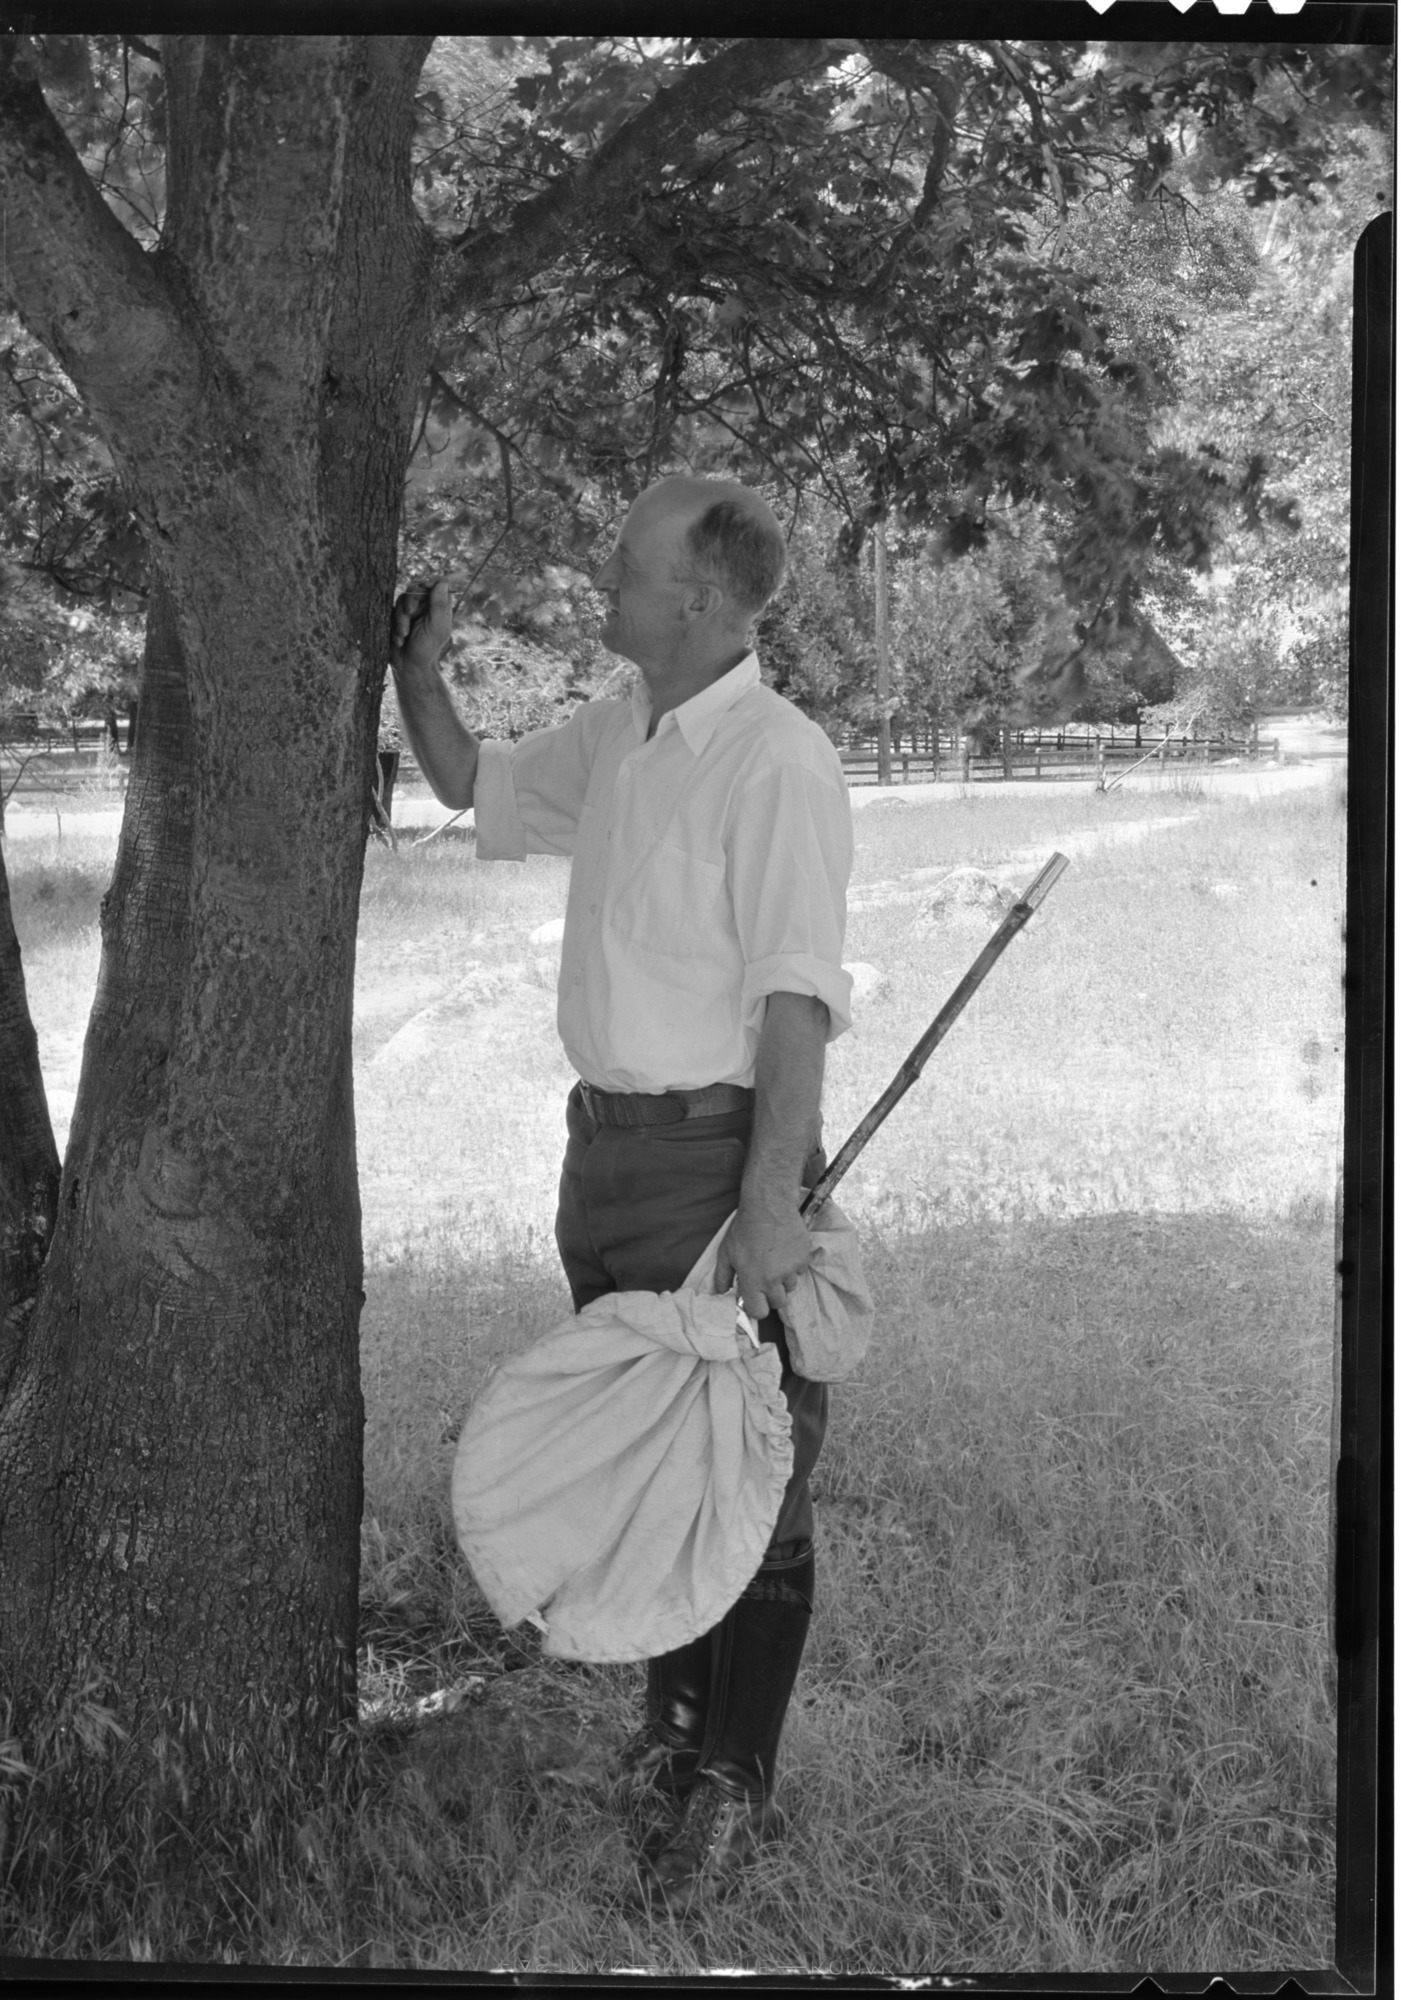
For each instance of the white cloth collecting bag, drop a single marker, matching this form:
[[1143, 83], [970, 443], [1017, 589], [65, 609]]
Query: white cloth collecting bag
[[623, 1476]]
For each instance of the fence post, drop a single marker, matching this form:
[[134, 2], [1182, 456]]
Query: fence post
[[966, 760], [1099, 762]]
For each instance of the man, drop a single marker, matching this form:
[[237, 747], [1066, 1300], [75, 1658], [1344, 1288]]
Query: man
[[700, 981]]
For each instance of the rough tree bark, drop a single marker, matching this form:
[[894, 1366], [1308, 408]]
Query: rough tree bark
[[180, 1444]]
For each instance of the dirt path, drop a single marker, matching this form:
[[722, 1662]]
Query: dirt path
[[909, 886]]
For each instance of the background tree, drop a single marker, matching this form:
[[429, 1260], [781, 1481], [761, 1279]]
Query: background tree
[[971, 632], [1268, 378], [73, 559], [74, 555], [815, 639]]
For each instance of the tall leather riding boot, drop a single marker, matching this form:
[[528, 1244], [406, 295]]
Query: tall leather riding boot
[[756, 1651], [666, 1750]]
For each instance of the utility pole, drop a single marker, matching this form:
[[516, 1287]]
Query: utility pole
[[882, 660]]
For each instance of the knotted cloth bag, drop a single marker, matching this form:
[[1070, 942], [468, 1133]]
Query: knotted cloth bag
[[623, 1476]]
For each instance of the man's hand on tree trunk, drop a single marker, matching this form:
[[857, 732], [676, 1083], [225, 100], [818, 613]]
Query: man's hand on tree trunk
[[422, 626]]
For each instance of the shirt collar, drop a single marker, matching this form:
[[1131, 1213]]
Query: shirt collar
[[698, 717]]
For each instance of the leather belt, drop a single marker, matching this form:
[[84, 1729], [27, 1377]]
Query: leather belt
[[667, 1107]]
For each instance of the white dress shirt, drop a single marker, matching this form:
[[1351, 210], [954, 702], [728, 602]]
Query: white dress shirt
[[710, 870]]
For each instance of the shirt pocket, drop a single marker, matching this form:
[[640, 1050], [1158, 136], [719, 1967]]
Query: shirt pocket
[[673, 906]]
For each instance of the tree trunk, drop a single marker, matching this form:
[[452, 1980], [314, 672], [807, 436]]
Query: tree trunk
[[388, 772], [180, 1446], [28, 1156]]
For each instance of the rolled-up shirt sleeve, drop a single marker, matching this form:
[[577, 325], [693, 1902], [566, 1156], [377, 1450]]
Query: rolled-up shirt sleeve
[[528, 795], [789, 851]]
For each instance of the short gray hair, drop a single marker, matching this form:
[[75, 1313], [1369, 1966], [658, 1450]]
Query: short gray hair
[[738, 548]]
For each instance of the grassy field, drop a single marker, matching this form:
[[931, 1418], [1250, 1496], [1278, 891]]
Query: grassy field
[[1067, 1702]]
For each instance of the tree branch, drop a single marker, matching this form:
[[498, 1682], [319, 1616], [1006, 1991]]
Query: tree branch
[[1038, 122], [903, 65], [477, 267], [79, 281]]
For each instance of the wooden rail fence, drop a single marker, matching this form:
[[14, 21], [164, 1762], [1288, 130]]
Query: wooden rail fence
[[76, 758], [1046, 753]]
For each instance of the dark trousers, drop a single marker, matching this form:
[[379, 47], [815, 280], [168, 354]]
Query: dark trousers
[[637, 1205]]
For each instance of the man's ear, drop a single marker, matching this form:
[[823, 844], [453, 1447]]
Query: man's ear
[[702, 599]]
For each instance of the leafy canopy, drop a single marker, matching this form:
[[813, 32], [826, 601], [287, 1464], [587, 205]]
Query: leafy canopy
[[939, 282]]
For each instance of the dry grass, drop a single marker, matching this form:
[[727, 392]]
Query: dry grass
[[1066, 1705], [1166, 1034]]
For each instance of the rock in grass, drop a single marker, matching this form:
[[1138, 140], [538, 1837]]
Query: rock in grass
[[868, 982], [549, 933], [966, 894]]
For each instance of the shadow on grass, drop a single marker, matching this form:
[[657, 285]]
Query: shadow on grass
[[1067, 1702]]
